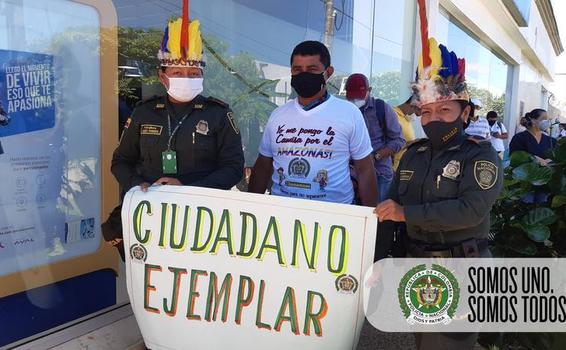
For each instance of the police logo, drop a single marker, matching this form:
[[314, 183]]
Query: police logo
[[138, 252], [451, 170], [346, 284], [485, 173], [428, 295], [299, 167], [202, 127]]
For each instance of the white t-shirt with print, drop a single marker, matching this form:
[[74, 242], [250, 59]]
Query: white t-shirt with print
[[311, 149], [498, 144]]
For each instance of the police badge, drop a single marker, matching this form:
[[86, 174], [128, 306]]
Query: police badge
[[451, 170], [202, 127]]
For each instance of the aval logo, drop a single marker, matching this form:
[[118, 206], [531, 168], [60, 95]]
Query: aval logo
[[428, 295]]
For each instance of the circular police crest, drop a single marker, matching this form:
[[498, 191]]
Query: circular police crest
[[299, 167], [428, 295], [138, 252], [347, 284]]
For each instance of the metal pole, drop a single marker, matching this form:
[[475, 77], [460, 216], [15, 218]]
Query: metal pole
[[329, 24]]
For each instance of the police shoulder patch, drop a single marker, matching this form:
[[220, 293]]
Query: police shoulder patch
[[230, 116], [485, 173]]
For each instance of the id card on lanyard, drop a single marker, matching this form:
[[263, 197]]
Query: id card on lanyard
[[169, 157]]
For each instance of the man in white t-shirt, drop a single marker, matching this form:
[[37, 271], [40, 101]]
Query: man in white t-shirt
[[478, 127], [498, 133], [308, 142]]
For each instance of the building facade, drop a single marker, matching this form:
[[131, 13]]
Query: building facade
[[98, 59]]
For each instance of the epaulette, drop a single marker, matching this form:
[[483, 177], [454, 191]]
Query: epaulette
[[479, 141], [146, 100], [217, 101], [419, 143]]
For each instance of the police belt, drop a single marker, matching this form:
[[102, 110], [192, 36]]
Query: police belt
[[470, 248]]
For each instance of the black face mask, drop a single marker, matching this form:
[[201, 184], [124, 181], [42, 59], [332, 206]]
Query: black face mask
[[307, 84], [441, 133], [491, 122]]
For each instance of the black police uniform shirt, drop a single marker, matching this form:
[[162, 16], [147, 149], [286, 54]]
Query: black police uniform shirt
[[208, 145], [447, 194]]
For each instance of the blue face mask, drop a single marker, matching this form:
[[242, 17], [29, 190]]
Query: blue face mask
[[544, 124]]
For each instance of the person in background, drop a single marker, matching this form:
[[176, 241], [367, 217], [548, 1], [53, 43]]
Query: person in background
[[498, 133], [533, 140], [562, 131], [383, 126], [478, 126], [471, 116], [407, 113], [308, 142]]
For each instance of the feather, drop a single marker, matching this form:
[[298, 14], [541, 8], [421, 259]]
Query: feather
[[425, 55], [195, 41], [435, 57], [184, 39], [446, 66], [461, 68], [174, 43], [165, 39], [454, 64]]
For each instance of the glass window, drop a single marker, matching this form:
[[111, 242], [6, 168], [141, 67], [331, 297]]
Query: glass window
[[50, 91], [248, 45], [486, 73], [50, 166]]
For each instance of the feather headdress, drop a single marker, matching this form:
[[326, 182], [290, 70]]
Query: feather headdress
[[441, 75], [182, 43]]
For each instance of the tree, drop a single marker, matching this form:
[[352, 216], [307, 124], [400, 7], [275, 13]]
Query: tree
[[490, 101], [387, 86]]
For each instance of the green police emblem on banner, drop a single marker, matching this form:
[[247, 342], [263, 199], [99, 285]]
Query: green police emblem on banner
[[138, 252], [428, 295], [347, 284]]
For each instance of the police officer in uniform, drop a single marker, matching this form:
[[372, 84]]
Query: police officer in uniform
[[446, 184], [182, 138]]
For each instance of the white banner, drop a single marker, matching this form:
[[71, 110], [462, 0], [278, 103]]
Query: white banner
[[211, 269]]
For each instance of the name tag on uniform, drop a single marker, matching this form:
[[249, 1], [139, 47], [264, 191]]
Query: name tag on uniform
[[149, 129], [406, 175], [169, 162]]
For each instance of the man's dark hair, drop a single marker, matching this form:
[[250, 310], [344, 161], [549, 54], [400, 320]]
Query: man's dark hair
[[409, 100], [491, 114], [312, 48]]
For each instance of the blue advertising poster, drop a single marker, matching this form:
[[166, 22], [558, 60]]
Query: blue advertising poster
[[49, 156], [27, 98]]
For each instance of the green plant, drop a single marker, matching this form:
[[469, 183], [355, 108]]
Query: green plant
[[529, 220]]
